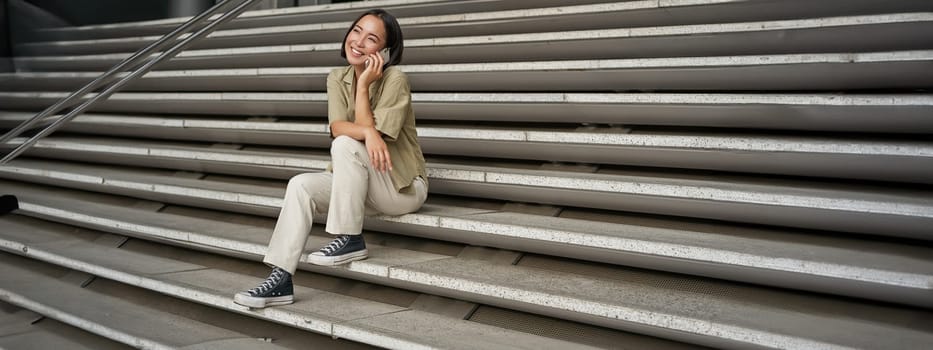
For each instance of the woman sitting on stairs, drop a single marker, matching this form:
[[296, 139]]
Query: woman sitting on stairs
[[376, 162]]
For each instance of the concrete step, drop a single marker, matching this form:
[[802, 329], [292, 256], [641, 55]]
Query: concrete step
[[887, 32], [840, 157], [335, 315], [891, 272], [24, 329], [846, 266], [491, 22], [823, 71], [705, 312], [890, 276], [823, 205], [303, 15], [110, 316], [902, 113]]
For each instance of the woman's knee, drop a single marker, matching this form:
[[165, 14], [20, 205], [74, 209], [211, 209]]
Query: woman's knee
[[306, 181], [301, 178], [344, 145], [345, 150]]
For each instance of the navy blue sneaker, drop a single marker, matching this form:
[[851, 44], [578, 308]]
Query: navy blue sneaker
[[343, 249], [277, 289]]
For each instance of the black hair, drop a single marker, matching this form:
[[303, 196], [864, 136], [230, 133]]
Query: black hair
[[393, 38]]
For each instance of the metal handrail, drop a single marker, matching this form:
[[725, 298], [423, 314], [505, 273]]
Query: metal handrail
[[109, 75]]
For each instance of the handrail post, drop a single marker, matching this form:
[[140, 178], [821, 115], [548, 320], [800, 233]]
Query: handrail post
[[167, 54]]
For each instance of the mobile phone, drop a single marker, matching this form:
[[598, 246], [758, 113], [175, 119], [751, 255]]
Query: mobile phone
[[385, 56]]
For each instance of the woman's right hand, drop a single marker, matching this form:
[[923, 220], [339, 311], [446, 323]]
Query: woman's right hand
[[372, 72]]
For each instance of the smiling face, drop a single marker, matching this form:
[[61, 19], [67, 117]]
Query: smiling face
[[367, 37]]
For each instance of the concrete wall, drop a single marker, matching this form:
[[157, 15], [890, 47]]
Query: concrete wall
[[111, 11], [6, 64], [271, 4], [18, 18], [23, 18]]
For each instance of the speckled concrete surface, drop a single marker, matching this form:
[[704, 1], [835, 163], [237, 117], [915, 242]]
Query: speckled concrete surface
[[854, 100], [623, 302], [610, 300], [739, 142], [511, 39], [318, 311], [112, 317], [449, 333], [839, 259]]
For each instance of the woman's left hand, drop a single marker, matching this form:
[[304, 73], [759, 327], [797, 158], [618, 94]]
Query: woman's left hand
[[378, 151]]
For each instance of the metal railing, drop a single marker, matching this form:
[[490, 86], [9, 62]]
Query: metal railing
[[111, 74]]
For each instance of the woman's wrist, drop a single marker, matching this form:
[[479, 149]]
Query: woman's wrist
[[362, 90], [370, 132]]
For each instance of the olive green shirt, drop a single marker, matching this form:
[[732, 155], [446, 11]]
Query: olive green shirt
[[390, 99]]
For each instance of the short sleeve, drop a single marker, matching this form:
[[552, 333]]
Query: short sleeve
[[337, 104], [394, 104]]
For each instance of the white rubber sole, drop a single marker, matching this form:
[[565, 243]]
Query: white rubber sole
[[337, 260], [258, 303]]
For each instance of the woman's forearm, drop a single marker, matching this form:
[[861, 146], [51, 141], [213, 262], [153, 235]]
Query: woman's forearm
[[363, 124], [353, 130], [363, 111]]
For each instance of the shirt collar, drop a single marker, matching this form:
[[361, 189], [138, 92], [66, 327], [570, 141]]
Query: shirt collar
[[348, 75]]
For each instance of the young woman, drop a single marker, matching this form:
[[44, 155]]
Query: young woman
[[376, 162]]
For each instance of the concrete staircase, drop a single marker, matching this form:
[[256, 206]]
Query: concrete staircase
[[607, 174]]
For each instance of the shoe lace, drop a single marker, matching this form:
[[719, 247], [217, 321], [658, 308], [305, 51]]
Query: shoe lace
[[336, 244], [269, 283]]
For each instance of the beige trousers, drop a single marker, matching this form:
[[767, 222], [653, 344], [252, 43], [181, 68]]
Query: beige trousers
[[353, 190]]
